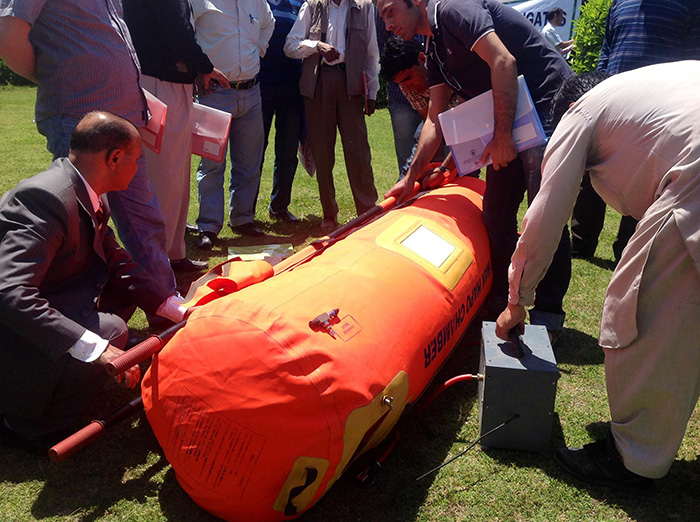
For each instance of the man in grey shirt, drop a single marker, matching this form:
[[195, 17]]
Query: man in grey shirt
[[80, 54]]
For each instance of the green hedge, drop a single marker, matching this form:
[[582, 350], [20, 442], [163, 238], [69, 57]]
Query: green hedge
[[589, 31], [7, 77]]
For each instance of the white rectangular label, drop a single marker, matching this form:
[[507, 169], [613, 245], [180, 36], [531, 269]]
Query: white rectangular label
[[428, 245], [211, 147]]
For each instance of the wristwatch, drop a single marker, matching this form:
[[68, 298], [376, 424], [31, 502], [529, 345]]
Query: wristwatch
[[442, 168]]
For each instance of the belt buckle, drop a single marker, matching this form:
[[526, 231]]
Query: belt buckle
[[244, 84]]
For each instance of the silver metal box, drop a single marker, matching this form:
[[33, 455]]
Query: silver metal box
[[522, 384]]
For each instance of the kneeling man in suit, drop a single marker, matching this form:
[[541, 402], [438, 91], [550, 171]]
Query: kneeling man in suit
[[66, 286]]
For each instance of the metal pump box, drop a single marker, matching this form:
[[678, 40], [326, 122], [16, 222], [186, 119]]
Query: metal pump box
[[520, 379]]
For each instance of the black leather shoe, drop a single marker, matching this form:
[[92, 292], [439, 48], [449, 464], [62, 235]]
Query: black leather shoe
[[600, 463], [248, 229], [206, 240], [38, 446], [329, 223], [284, 215], [191, 228], [188, 265]]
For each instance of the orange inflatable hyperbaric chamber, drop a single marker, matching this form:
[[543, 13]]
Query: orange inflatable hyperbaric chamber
[[267, 394]]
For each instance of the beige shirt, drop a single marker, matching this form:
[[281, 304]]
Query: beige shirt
[[638, 134]]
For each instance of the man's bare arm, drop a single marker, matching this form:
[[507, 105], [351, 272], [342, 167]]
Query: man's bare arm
[[504, 81], [428, 142], [15, 49]]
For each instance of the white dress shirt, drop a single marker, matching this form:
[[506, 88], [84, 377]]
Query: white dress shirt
[[234, 34]]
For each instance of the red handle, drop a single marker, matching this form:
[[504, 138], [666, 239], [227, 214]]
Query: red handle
[[77, 441], [135, 355]]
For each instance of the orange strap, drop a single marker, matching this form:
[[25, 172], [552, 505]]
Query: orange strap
[[226, 278]]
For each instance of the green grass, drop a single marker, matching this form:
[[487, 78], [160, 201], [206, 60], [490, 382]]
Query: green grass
[[124, 477]]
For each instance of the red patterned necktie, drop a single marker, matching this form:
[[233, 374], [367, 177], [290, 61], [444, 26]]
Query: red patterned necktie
[[100, 215]]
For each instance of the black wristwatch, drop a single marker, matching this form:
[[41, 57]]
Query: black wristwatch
[[443, 168]]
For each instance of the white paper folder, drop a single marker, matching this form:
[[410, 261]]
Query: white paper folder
[[210, 129], [468, 128]]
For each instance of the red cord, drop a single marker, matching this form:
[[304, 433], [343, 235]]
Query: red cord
[[445, 385]]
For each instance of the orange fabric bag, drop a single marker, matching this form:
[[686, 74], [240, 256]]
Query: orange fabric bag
[[267, 395]]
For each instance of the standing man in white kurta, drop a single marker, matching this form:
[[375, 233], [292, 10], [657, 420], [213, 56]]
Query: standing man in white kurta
[[640, 142]]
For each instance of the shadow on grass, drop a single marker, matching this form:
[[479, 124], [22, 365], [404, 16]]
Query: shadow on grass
[[578, 348], [605, 264], [91, 482], [176, 505], [673, 498]]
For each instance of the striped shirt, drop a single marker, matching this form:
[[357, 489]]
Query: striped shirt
[[276, 68], [640, 33], [84, 57]]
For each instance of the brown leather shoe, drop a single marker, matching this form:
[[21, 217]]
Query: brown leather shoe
[[329, 223]]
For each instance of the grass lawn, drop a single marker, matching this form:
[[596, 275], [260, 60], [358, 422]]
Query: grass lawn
[[124, 476]]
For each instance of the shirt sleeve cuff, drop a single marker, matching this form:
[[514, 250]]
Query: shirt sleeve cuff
[[89, 347]]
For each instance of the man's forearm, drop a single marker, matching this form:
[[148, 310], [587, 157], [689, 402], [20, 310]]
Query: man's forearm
[[504, 80], [428, 142]]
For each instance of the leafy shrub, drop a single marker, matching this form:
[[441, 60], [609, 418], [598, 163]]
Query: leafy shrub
[[589, 31]]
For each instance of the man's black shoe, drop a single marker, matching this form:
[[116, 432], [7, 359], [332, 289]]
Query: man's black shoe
[[188, 265], [206, 240], [600, 463], [284, 215], [157, 322], [134, 339], [580, 253], [248, 229], [191, 228], [38, 446]]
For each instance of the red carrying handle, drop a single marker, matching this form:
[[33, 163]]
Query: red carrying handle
[[77, 441], [321, 244], [141, 351], [134, 356], [92, 431]]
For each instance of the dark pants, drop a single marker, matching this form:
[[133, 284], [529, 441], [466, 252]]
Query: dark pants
[[505, 190], [285, 103], [77, 386]]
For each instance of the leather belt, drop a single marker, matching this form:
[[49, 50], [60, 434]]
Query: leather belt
[[244, 84], [338, 66]]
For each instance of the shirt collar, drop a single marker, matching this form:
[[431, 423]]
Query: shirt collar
[[94, 198]]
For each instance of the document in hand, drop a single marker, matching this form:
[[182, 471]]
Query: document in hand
[[210, 129], [468, 128], [152, 133]]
